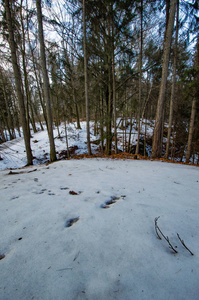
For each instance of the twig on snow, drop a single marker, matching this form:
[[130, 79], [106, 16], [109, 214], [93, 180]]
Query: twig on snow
[[166, 238], [156, 228], [182, 242]]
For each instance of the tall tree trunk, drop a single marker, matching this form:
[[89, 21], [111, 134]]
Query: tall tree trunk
[[86, 81], [38, 86], [193, 110], [191, 130], [101, 105], [140, 77], [109, 109], [114, 89], [18, 83], [46, 82], [114, 104], [157, 134], [7, 120], [76, 109], [173, 85]]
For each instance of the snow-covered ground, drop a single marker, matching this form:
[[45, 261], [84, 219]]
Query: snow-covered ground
[[84, 229], [13, 152], [14, 156]]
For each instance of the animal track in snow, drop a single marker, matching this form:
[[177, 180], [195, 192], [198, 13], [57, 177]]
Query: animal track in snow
[[2, 256], [109, 202], [71, 221]]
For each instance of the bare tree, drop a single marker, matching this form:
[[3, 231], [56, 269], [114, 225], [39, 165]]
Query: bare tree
[[18, 82], [193, 110], [173, 84], [86, 80], [46, 82], [140, 76], [157, 134]]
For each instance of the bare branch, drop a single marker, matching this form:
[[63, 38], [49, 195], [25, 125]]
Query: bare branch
[[156, 228], [166, 238], [182, 242]]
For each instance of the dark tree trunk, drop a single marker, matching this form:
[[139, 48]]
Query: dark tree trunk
[[173, 85], [18, 83], [157, 134], [46, 82], [86, 82]]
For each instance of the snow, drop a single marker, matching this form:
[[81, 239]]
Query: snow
[[14, 155], [13, 152], [108, 253]]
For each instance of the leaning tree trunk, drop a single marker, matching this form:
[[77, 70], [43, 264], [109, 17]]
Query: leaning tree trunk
[[86, 81], [157, 134], [18, 83], [46, 82]]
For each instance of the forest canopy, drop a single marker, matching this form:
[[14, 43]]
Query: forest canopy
[[117, 63]]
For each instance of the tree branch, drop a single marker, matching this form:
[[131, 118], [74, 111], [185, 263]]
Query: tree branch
[[166, 238], [182, 242]]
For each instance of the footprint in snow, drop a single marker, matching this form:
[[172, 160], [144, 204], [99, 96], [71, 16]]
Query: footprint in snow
[[14, 197], [71, 221], [109, 202], [2, 256]]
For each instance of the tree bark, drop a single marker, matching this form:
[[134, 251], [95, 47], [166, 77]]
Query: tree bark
[[140, 78], [173, 85], [114, 89], [86, 81], [18, 83], [191, 130], [46, 82], [157, 134], [193, 110]]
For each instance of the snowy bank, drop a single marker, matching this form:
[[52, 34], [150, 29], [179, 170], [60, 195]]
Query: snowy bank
[[84, 229]]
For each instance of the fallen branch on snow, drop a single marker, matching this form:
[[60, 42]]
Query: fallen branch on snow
[[156, 228], [166, 238], [182, 242], [22, 172]]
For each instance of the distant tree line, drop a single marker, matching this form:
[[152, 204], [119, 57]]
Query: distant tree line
[[64, 61]]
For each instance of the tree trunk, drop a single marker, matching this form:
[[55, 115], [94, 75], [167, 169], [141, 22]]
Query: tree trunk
[[114, 89], [114, 104], [38, 86], [193, 110], [109, 109], [46, 82], [140, 78], [191, 130], [86, 82], [18, 83], [173, 85], [157, 134]]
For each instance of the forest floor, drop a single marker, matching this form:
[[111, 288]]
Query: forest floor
[[13, 155], [86, 228]]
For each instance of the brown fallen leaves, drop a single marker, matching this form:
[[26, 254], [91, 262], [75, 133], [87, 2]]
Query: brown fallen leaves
[[125, 155], [73, 193]]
